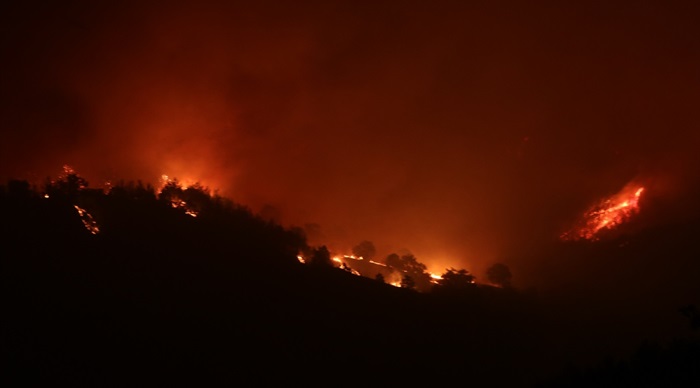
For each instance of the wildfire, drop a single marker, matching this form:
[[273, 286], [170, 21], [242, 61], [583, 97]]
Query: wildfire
[[88, 221], [69, 171], [607, 214], [435, 278], [182, 183], [345, 266], [175, 201]]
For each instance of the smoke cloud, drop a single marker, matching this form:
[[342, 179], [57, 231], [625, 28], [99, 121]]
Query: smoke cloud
[[463, 132]]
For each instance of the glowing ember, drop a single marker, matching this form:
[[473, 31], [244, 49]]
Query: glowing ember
[[607, 215], [69, 175], [177, 203], [87, 219], [67, 170]]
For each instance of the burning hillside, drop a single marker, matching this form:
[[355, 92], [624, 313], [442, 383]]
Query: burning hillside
[[607, 214]]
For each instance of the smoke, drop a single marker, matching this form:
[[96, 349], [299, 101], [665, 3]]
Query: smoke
[[463, 133]]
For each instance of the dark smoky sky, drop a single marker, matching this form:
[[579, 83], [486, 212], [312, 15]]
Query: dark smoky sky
[[460, 131]]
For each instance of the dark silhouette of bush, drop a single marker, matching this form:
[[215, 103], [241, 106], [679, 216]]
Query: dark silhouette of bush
[[456, 279], [320, 257], [408, 283], [499, 274], [676, 364]]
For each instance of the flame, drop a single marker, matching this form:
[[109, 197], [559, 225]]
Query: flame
[[88, 221], [394, 277], [607, 215], [107, 186], [175, 202], [182, 183], [67, 170], [344, 265], [354, 272]]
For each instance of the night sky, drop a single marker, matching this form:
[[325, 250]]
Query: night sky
[[464, 132]]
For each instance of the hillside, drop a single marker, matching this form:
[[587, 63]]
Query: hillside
[[159, 296]]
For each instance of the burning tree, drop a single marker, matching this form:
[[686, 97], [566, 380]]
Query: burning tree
[[68, 185], [408, 265], [71, 188], [189, 198]]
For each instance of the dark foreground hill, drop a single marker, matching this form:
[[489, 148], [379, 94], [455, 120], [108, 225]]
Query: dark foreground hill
[[158, 297]]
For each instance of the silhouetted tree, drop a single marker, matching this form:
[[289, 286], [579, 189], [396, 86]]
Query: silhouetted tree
[[408, 265], [412, 265], [320, 256], [197, 197], [380, 278], [364, 249], [392, 260], [454, 279], [68, 185], [499, 275], [172, 190], [408, 282]]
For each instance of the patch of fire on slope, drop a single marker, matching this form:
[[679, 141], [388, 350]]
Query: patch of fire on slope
[[607, 214]]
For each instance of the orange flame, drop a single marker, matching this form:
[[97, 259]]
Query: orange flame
[[175, 202], [435, 278], [89, 222], [607, 215]]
